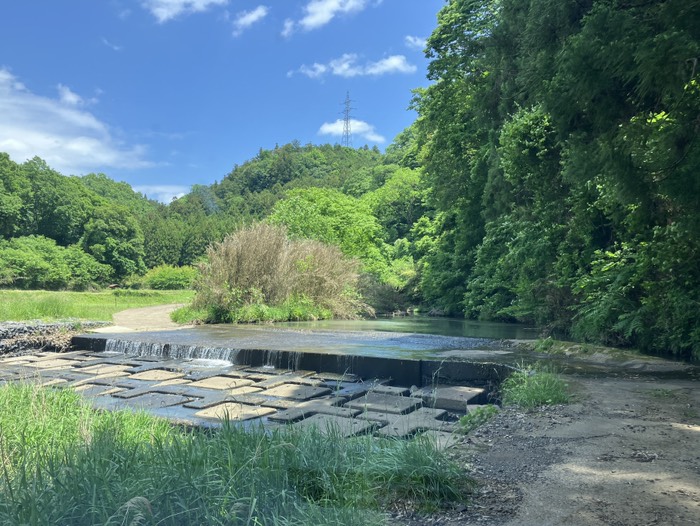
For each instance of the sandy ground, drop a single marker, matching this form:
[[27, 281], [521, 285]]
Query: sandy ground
[[626, 452], [144, 319]]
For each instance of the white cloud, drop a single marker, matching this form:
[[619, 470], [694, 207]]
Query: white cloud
[[392, 64], [60, 131], [245, 19], [288, 28], [165, 10], [361, 128], [164, 193], [320, 12], [416, 43], [113, 47], [347, 66], [69, 97]]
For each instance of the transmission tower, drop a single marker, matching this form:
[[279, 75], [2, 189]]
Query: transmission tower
[[347, 132]]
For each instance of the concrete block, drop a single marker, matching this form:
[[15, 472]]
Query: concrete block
[[384, 403]]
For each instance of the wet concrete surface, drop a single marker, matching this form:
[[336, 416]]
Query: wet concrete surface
[[204, 393]]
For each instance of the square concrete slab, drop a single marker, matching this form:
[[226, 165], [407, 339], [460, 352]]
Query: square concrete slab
[[297, 392], [104, 369], [234, 411], [390, 389], [221, 382], [155, 400], [328, 424], [451, 398], [157, 375], [419, 420], [384, 403], [55, 363]]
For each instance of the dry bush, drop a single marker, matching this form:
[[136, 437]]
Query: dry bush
[[260, 264]]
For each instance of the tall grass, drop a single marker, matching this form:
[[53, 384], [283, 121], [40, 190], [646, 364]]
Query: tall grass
[[258, 268], [65, 464], [22, 305], [533, 387]]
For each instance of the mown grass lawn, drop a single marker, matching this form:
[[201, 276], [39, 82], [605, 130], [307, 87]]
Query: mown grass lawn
[[23, 305]]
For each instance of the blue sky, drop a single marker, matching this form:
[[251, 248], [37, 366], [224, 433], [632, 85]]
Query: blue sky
[[164, 94]]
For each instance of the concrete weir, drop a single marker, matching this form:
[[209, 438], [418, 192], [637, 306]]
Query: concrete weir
[[378, 360], [387, 384]]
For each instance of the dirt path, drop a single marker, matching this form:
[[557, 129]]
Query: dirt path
[[144, 319], [626, 453]]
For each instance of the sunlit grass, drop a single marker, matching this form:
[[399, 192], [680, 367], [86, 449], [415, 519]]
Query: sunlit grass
[[22, 305], [63, 463], [534, 386]]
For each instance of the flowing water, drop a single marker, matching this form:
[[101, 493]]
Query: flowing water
[[398, 338]]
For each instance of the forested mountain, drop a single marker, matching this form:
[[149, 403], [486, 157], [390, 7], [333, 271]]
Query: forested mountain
[[552, 176]]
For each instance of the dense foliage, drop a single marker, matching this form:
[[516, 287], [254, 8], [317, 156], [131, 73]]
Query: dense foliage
[[559, 142]]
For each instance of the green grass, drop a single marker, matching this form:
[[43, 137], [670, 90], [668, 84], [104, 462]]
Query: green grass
[[477, 418], [23, 305], [533, 387], [63, 463], [293, 309]]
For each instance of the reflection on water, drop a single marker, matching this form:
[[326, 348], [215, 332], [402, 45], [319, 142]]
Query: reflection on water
[[426, 325]]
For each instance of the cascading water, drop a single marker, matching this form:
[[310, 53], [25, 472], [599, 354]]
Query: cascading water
[[171, 351]]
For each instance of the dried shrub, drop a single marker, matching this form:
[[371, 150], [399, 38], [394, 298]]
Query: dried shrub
[[260, 265]]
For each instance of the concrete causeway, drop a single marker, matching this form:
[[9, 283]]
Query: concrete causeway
[[204, 392]]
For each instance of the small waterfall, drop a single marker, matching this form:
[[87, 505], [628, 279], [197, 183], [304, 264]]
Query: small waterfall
[[288, 360], [171, 351]]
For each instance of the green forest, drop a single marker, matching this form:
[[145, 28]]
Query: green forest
[[552, 176]]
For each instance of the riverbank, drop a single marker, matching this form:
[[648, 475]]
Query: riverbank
[[21, 337], [623, 453]]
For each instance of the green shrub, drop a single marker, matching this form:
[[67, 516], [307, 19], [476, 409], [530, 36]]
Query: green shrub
[[531, 387], [37, 262], [168, 277]]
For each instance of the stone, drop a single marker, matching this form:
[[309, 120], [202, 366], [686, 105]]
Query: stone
[[156, 375], [421, 419], [234, 411], [56, 363], [390, 389], [450, 398], [221, 382], [105, 369], [326, 406], [384, 403], [155, 400], [328, 424], [297, 392]]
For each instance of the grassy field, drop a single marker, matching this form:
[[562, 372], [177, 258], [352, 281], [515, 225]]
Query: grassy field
[[23, 305], [63, 463]]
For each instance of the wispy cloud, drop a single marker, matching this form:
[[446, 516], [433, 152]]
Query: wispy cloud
[[360, 128], [70, 98], [60, 131], [111, 46], [349, 66], [165, 10], [164, 193], [318, 13], [413, 42], [245, 19]]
